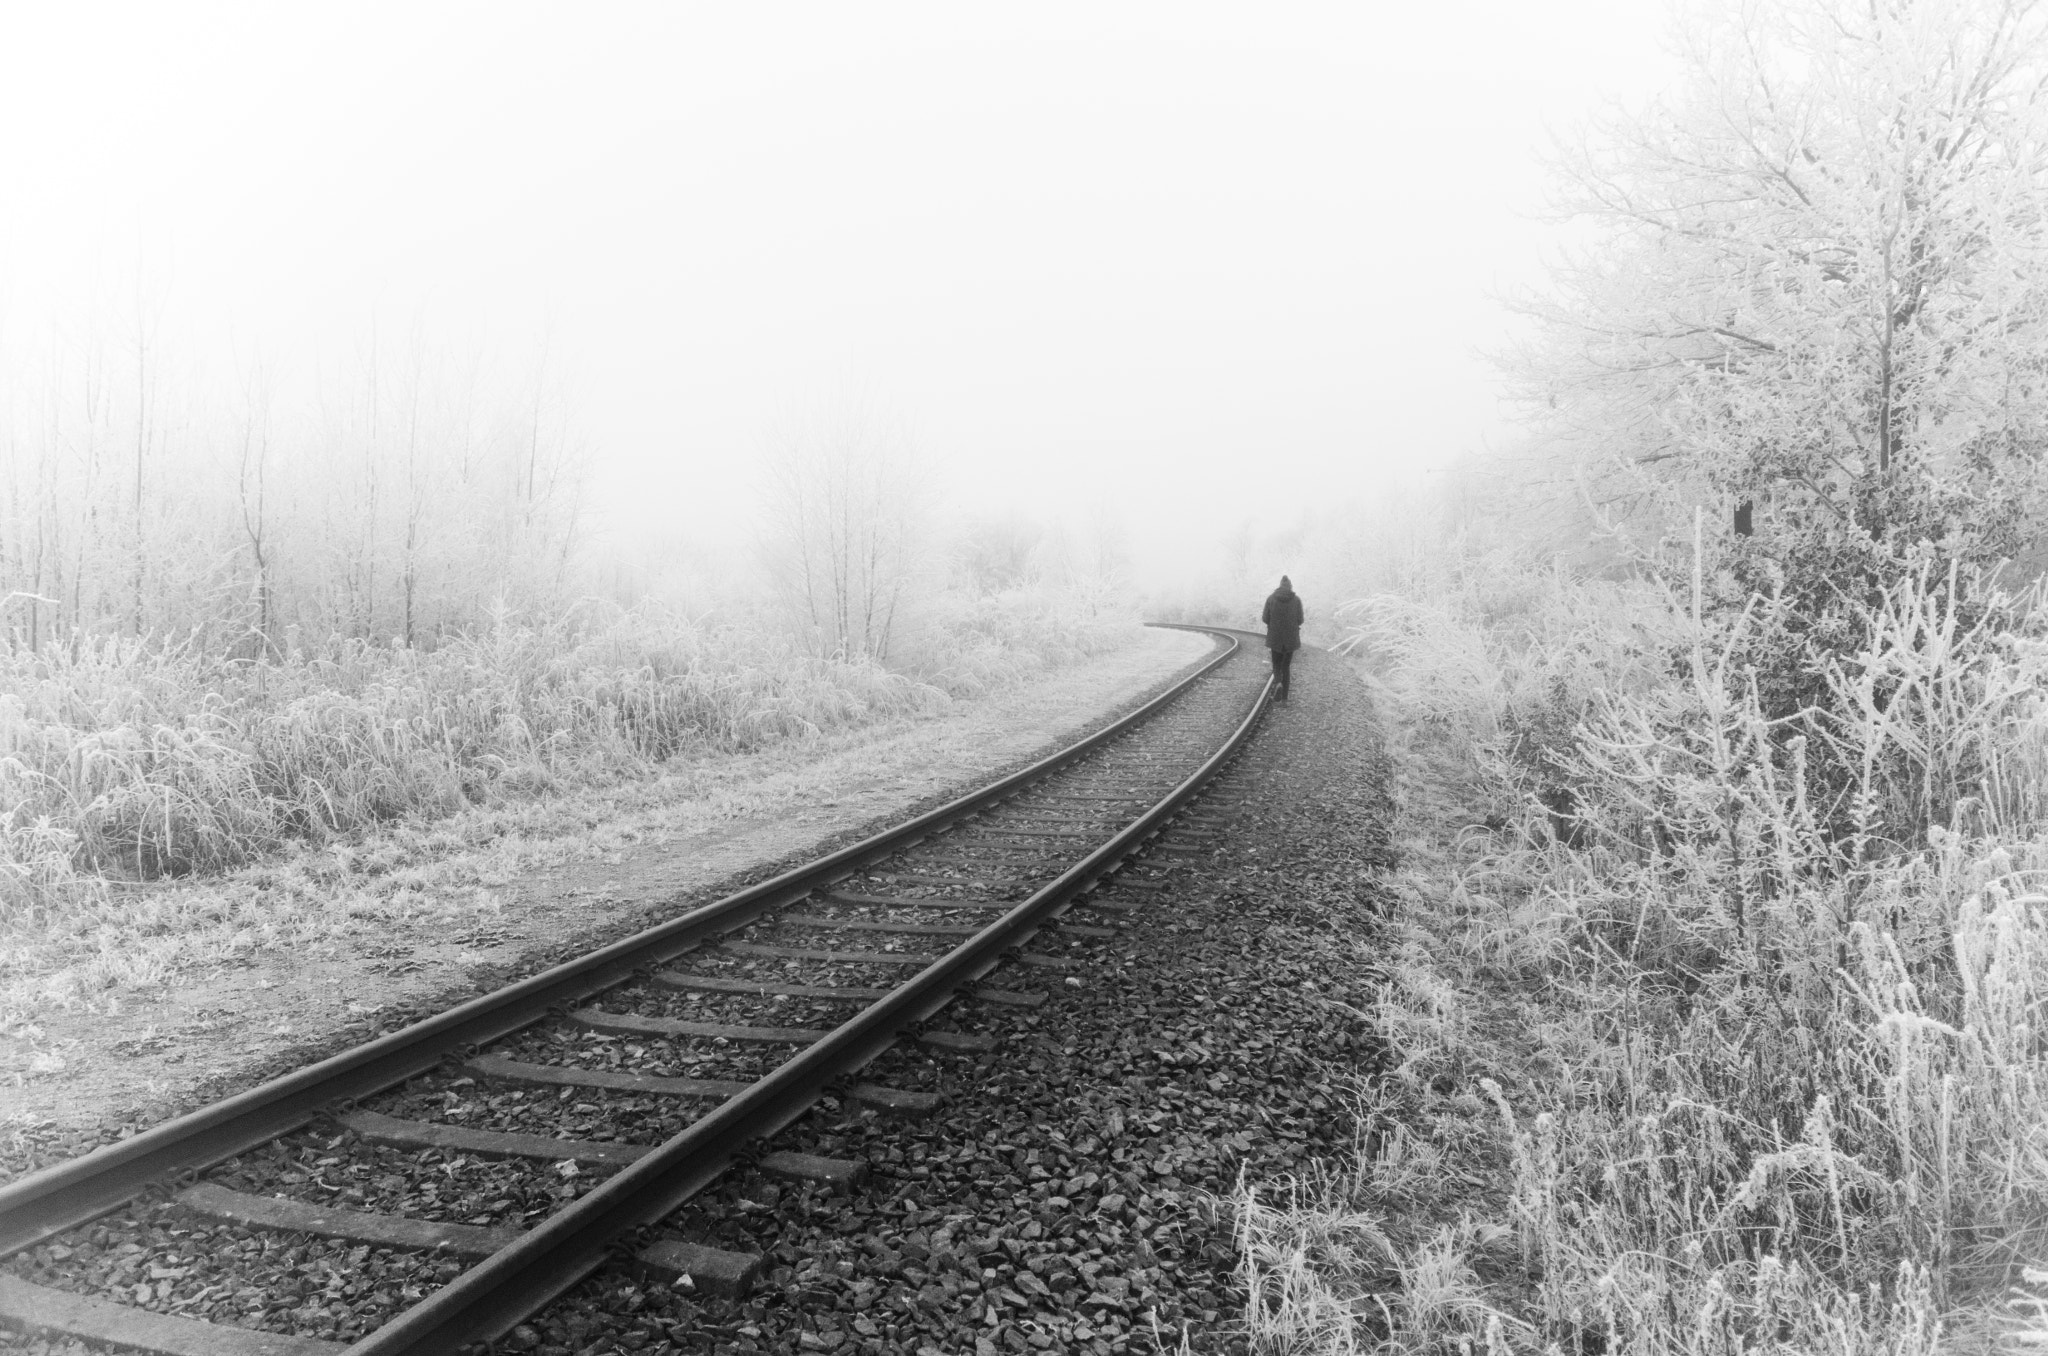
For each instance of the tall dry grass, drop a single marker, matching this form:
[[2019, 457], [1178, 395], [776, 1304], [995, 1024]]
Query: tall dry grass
[[970, 645], [125, 759], [1700, 1046]]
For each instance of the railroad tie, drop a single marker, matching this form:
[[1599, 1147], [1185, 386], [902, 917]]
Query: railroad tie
[[632, 1023], [1021, 832], [381, 1129], [895, 1101], [980, 848], [813, 920], [910, 902], [817, 954], [1134, 798], [711, 1270], [926, 878], [1044, 962], [598, 1020], [210, 1200], [1078, 821], [676, 979], [499, 1069], [854, 957], [957, 1042], [841, 1174], [37, 1309], [1008, 998]]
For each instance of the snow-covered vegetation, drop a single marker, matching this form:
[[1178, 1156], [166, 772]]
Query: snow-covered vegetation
[[1693, 1044], [1714, 977], [272, 619]]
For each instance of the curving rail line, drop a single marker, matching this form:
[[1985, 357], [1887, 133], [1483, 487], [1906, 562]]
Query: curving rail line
[[520, 1277]]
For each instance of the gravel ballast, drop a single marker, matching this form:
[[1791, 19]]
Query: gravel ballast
[[364, 934], [1069, 1194]]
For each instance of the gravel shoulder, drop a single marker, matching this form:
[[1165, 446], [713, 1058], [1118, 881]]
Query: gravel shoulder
[[377, 933], [1072, 1194]]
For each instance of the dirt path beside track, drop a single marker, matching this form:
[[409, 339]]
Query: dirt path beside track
[[409, 927], [1073, 1190]]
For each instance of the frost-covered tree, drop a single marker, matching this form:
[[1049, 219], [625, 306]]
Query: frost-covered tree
[[994, 554], [1817, 284], [386, 500], [845, 508]]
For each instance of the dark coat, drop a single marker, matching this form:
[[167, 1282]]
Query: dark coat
[[1283, 620]]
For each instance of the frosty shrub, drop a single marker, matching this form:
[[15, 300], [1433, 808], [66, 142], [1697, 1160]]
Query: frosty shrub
[[137, 759], [1727, 1065]]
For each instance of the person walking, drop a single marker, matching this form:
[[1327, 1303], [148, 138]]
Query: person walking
[[1283, 631]]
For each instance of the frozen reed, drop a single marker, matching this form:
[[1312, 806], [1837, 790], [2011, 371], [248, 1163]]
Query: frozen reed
[[1717, 1030], [133, 760]]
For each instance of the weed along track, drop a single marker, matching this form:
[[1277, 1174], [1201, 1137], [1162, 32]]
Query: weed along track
[[438, 1185]]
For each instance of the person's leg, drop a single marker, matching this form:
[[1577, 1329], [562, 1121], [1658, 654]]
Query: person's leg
[[1287, 673]]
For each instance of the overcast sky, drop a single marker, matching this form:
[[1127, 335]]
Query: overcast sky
[[1207, 260]]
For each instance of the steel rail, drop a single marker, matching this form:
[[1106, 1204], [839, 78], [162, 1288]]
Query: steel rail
[[521, 1278], [64, 1195]]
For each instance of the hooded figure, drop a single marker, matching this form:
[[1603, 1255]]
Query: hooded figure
[[1283, 631]]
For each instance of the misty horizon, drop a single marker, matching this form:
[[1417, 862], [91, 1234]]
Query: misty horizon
[[1143, 258]]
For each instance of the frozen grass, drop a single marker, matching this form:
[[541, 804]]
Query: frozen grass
[[150, 761], [333, 778], [1685, 1061], [971, 646], [441, 878]]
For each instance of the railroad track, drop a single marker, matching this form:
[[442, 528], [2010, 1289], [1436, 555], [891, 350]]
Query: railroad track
[[593, 1099]]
